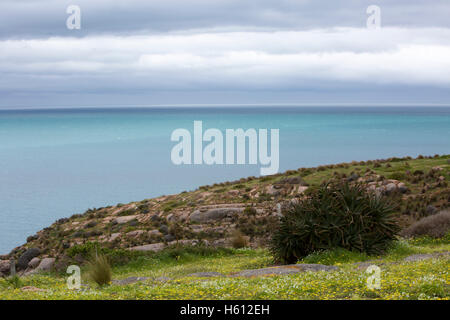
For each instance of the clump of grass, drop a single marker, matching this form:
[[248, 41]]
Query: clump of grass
[[435, 226], [238, 240], [14, 281], [100, 270]]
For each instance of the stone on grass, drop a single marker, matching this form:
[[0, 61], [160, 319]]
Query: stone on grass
[[205, 274], [46, 264], [282, 270]]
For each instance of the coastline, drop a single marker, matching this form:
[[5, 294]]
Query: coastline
[[141, 219]]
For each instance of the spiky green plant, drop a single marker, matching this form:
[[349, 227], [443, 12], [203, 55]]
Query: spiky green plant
[[99, 270], [15, 281], [335, 216]]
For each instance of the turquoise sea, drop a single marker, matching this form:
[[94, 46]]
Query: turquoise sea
[[54, 163]]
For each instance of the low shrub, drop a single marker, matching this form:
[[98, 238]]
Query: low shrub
[[340, 215], [238, 240], [435, 226], [397, 176]]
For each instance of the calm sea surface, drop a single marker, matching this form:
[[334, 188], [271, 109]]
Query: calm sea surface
[[54, 163]]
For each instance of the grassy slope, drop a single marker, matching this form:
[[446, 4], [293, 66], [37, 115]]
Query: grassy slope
[[412, 205], [400, 280], [427, 279]]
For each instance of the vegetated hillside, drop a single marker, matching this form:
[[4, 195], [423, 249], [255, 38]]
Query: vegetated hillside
[[212, 214]]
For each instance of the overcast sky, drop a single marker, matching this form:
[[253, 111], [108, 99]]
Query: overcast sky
[[165, 52]]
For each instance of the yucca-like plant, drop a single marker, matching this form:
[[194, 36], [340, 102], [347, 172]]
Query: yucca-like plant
[[99, 270], [335, 216]]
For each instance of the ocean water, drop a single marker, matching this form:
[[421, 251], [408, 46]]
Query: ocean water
[[54, 163]]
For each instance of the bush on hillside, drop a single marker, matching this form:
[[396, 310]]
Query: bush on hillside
[[238, 240], [435, 226], [340, 215]]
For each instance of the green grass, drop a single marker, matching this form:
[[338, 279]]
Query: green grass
[[426, 279]]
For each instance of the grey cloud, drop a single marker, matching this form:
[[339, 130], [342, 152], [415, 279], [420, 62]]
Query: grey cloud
[[132, 52], [46, 18]]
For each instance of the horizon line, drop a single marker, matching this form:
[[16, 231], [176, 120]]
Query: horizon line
[[232, 105]]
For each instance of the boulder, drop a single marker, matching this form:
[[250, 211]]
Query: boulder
[[32, 238], [114, 236], [46, 264], [272, 190], [34, 262], [124, 219], [169, 237], [26, 257], [155, 233], [233, 193], [149, 247], [402, 187], [135, 233], [302, 189], [390, 187], [214, 214], [5, 267], [164, 229], [431, 210], [353, 177]]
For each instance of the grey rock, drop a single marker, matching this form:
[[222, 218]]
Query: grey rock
[[46, 264], [149, 247], [129, 280], [390, 187], [163, 279], [5, 267], [169, 237], [114, 236], [214, 214], [419, 257], [124, 219], [353, 177], [282, 270], [34, 262], [133, 223], [154, 218], [205, 274], [164, 229], [32, 238], [431, 210], [26, 257], [273, 191], [155, 233], [402, 187]]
